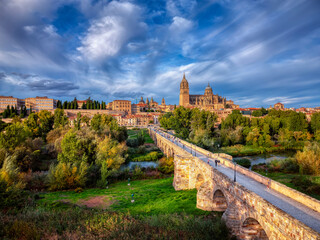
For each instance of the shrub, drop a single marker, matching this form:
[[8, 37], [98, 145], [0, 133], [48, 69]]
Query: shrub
[[141, 150], [289, 165], [244, 162], [34, 180], [67, 176], [274, 166], [309, 159], [132, 142], [166, 165], [21, 229], [78, 190], [11, 187], [137, 173]]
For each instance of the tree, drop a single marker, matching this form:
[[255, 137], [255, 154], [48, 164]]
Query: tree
[[40, 123], [71, 149], [13, 135], [309, 159], [77, 121], [315, 122], [59, 104], [86, 120], [110, 156], [60, 120], [65, 105]]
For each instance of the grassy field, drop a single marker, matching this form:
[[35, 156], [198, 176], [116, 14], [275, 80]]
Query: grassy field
[[132, 134], [151, 197], [287, 179], [159, 212]]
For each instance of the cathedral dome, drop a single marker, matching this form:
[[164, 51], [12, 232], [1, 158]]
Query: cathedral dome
[[208, 90]]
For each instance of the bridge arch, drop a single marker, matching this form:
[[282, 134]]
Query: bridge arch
[[219, 201], [199, 180], [251, 229]]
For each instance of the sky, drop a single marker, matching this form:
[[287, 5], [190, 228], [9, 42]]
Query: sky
[[256, 52]]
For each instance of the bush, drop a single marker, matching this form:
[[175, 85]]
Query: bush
[[34, 180], [152, 156], [309, 159], [289, 165], [137, 173], [78, 190], [11, 187], [132, 142], [67, 176], [244, 162], [166, 165]]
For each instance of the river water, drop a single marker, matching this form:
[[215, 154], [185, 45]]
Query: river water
[[267, 157], [132, 165]]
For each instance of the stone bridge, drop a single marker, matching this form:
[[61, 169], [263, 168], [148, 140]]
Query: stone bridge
[[247, 214]]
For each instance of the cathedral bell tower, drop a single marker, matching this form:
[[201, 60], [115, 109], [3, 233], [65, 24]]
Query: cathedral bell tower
[[184, 92]]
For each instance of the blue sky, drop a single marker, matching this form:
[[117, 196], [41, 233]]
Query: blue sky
[[253, 52]]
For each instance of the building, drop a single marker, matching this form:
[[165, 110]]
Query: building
[[120, 105], [80, 103], [40, 103], [279, 106], [208, 101], [153, 104], [11, 102]]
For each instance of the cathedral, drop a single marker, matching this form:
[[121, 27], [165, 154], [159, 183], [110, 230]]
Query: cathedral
[[208, 101]]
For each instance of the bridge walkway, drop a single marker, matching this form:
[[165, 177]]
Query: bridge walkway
[[297, 210]]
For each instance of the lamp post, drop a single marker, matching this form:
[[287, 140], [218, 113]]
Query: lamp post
[[235, 170], [195, 150], [191, 149]]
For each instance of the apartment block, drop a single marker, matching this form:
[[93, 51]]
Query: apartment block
[[40, 103], [11, 102]]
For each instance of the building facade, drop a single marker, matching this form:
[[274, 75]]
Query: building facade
[[10, 101], [40, 103], [120, 105], [208, 101]]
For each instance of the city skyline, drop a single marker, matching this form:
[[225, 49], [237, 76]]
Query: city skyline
[[255, 53]]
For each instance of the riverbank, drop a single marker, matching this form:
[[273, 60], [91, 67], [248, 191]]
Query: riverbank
[[158, 212]]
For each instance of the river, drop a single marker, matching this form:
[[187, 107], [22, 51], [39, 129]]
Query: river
[[132, 165]]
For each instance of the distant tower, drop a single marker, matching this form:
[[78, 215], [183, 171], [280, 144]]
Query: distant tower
[[163, 102], [208, 90], [141, 100], [184, 92], [147, 101]]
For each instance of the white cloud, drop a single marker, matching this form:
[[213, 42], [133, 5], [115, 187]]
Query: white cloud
[[108, 35], [180, 25]]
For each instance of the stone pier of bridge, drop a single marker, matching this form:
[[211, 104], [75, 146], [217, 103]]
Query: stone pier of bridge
[[246, 214]]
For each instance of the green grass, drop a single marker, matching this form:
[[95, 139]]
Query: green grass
[[286, 178], [132, 134], [151, 197], [159, 212]]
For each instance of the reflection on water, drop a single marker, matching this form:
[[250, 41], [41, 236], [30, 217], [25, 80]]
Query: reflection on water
[[267, 157], [132, 165]]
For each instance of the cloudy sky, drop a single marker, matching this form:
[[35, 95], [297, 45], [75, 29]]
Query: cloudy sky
[[253, 52]]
